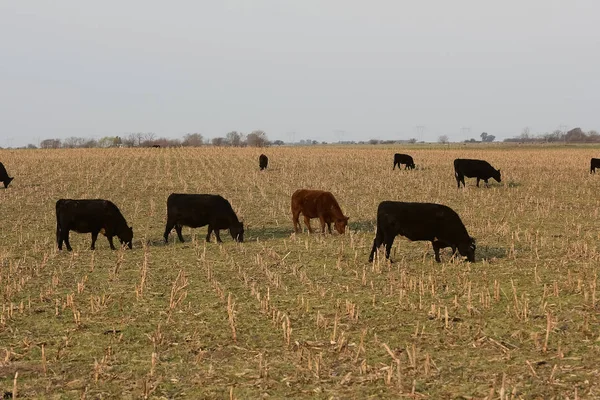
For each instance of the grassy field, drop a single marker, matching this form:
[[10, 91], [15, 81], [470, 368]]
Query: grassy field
[[301, 316]]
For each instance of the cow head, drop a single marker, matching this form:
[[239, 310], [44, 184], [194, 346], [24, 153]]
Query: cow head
[[496, 176], [467, 249], [126, 236], [340, 225], [7, 182], [237, 231]]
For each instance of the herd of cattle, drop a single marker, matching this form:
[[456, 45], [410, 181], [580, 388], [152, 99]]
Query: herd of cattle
[[432, 222]]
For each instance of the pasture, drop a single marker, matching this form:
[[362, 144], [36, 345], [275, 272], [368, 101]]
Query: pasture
[[299, 315]]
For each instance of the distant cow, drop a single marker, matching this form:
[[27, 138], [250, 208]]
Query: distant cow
[[197, 210], [263, 161], [91, 216], [403, 159], [436, 223], [479, 169], [156, 146], [4, 178], [317, 204], [595, 163]]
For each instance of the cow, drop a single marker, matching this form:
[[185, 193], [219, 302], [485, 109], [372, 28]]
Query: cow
[[263, 161], [156, 146], [91, 216], [4, 178], [436, 223], [479, 169], [595, 163], [197, 210], [403, 159], [317, 204]]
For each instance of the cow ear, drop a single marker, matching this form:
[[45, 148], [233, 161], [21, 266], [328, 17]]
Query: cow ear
[[346, 219]]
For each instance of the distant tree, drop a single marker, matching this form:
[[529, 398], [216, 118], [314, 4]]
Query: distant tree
[[593, 136], [525, 134], [218, 141], [412, 140], [106, 141], [471, 141], [50, 144], [315, 142], [257, 138], [234, 138], [323, 142], [483, 136], [575, 135], [278, 142], [31, 146], [193, 140], [443, 139], [373, 141]]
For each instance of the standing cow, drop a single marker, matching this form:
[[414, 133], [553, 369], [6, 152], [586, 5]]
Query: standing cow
[[595, 163], [263, 161], [197, 210], [4, 178], [436, 223], [479, 169], [91, 216], [317, 204], [403, 159]]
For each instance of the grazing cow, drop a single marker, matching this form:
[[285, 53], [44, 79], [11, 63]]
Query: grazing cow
[[422, 221], [595, 163], [317, 204], [156, 146], [197, 210], [403, 159], [4, 178], [263, 161], [91, 216], [479, 169]]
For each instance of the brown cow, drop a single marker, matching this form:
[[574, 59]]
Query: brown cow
[[317, 204]]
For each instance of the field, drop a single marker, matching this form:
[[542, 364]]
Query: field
[[299, 315]]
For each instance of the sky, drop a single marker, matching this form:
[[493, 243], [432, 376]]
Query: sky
[[313, 69]]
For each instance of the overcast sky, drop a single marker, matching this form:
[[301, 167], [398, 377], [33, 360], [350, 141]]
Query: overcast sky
[[323, 69]]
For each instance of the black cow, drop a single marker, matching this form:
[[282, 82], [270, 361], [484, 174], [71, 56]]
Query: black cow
[[91, 216], [197, 210], [422, 221], [4, 178], [263, 161], [595, 163], [156, 146], [403, 159], [479, 169]]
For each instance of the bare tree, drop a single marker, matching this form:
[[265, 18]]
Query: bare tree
[[257, 138], [443, 139], [193, 139], [218, 141], [234, 138]]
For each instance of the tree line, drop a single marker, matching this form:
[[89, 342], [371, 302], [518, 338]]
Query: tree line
[[256, 138], [575, 135]]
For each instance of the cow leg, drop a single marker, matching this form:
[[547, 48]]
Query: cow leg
[[178, 230], [486, 183], [458, 180], [94, 238], [376, 243], [394, 167], [436, 249], [295, 220], [477, 182], [329, 226], [110, 242], [65, 237], [59, 240], [210, 229], [388, 246], [322, 221], [168, 229], [307, 223], [218, 236]]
